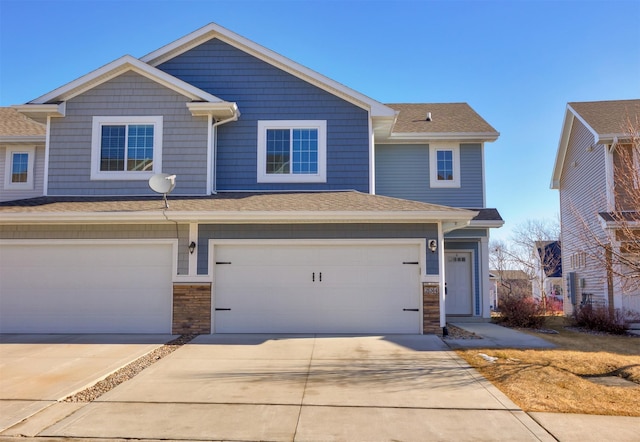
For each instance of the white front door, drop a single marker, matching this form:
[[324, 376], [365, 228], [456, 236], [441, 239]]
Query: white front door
[[315, 288], [458, 275]]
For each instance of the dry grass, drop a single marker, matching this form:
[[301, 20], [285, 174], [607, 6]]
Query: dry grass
[[557, 380]]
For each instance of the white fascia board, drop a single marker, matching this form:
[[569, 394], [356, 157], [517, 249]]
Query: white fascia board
[[443, 136], [213, 30], [562, 148], [457, 218], [117, 67], [487, 224], [40, 112], [224, 109]]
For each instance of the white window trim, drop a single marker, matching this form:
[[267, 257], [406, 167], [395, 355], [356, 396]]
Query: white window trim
[[8, 166], [433, 164], [320, 177], [98, 122]]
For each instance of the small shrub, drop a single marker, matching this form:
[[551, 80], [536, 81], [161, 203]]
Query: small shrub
[[521, 311], [599, 318]]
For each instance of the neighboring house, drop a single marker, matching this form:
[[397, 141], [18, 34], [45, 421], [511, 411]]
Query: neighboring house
[[548, 279], [592, 199], [300, 205], [21, 156], [508, 283]]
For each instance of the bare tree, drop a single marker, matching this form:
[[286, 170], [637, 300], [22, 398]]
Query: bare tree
[[526, 254]]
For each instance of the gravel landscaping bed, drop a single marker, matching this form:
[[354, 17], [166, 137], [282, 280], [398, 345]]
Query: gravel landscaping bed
[[128, 371], [459, 333]]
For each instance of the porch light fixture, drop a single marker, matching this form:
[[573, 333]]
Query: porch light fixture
[[192, 247], [433, 245]]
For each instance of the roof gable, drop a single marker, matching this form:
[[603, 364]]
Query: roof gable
[[213, 30], [604, 119], [117, 67]]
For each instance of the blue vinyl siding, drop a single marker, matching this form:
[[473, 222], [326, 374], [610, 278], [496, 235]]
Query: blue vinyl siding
[[402, 171], [184, 150], [313, 231], [264, 92]]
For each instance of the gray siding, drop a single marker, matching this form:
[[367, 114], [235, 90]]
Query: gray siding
[[106, 231], [314, 231], [38, 176], [582, 196], [184, 138], [264, 92], [402, 171]]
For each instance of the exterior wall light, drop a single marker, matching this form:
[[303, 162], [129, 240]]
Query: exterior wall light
[[192, 247], [433, 245]]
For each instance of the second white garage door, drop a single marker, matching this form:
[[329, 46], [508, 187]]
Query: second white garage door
[[311, 288], [85, 287]]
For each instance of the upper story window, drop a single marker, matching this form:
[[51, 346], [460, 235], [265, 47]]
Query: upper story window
[[18, 173], [292, 151], [126, 148], [444, 165]]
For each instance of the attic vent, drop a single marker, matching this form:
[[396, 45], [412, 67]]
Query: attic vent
[[428, 116]]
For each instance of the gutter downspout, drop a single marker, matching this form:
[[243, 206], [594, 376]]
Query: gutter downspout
[[214, 138]]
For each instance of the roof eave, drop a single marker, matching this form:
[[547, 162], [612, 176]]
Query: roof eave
[[284, 217], [561, 153], [443, 136], [486, 224], [13, 139], [40, 112]]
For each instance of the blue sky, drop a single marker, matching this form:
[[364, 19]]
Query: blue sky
[[517, 63]]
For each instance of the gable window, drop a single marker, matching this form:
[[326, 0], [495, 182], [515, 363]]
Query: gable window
[[292, 151], [126, 148], [444, 165], [19, 168]]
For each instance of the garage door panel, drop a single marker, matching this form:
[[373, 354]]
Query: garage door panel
[[317, 288], [82, 288]]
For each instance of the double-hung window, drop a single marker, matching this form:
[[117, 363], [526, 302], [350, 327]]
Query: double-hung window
[[126, 148], [18, 170], [292, 151], [444, 165]]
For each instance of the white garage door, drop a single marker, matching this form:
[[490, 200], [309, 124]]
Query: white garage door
[[310, 288], [85, 288]]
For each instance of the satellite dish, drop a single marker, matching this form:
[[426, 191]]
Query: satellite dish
[[163, 183]]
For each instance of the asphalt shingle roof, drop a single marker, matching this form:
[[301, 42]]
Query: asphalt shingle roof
[[13, 123], [350, 201], [608, 117], [445, 118]]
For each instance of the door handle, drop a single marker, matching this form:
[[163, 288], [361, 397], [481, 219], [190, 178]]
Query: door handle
[[313, 277], [320, 276]]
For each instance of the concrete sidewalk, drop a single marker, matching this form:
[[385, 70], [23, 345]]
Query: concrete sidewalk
[[496, 336]]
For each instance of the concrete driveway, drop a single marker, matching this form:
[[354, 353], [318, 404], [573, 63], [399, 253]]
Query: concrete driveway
[[38, 370], [302, 388]]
